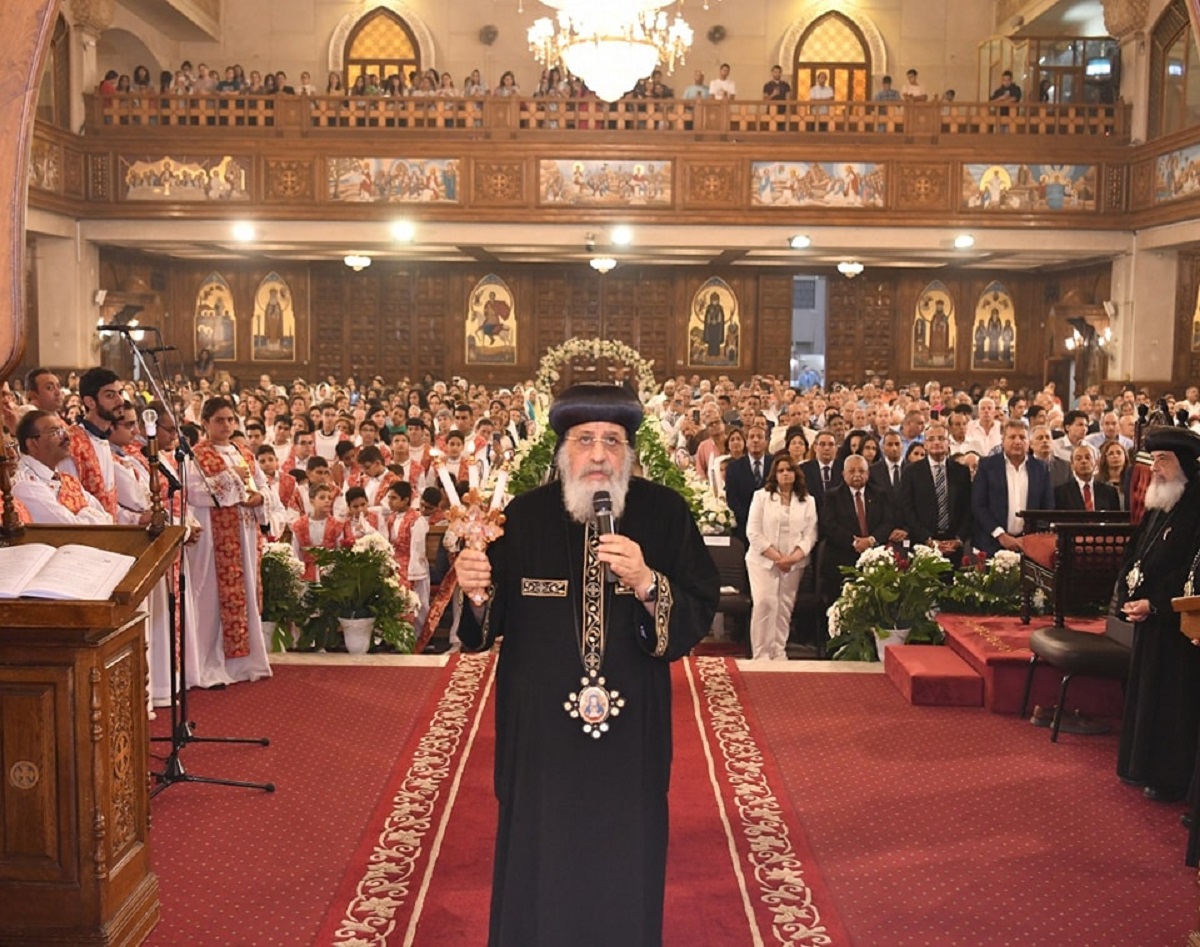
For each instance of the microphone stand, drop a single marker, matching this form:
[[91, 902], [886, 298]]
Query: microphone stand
[[183, 729]]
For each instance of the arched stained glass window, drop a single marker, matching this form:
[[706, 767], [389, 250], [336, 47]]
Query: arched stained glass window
[[835, 45], [381, 44]]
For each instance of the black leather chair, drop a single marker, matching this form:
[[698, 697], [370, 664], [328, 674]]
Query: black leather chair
[[730, 561], [1078, 652]]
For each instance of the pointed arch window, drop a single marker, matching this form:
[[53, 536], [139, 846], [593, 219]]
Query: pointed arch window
[[836, 45], [54, 91], [381, 44]]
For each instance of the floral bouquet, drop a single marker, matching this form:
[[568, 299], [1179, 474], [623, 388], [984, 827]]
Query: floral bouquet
[[283, 592], [887, 591], [359, 581], [982, 585]]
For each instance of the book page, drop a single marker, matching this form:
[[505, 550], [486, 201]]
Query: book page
[[18, 564], [80, 572]]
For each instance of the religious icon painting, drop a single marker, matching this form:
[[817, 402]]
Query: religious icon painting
[[1196, 324], [934, 335], [215, 319], [274, 336], [491, 323], [394, 180], [714, 327], [994, 333], [173, 178]]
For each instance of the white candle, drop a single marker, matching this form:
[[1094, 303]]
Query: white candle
[[448, 485], [499, 490], [473, 476]]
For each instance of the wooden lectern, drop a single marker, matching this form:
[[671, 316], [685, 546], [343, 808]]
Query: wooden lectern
[[74, 767], [1189, 623]]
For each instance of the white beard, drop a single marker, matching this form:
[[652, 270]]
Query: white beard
[[578, 494], [1164, 494]]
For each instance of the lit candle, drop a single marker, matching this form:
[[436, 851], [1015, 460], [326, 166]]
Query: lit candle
[[448, 485], [499, 490], [473, 476]]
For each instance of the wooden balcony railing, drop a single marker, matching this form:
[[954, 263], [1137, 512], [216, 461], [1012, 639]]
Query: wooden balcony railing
[[707, 118]]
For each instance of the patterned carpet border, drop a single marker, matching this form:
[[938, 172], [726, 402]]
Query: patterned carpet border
[[388, 874], [789, 897]]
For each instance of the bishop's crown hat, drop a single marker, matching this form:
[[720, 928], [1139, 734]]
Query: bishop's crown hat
[[1182, 442], [581, 404]]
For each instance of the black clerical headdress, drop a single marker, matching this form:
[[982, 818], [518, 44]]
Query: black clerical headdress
[[581, 404], [1181, 442]]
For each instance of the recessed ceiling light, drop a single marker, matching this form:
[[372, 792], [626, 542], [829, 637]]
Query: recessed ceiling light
[[602, 264], [404, 230], [622, 236], [964, 241], [243, 231], [800, 241]]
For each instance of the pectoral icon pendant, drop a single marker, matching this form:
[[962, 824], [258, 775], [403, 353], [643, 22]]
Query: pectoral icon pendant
[[594, 704]]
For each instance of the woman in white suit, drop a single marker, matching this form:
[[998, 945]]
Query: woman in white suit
[[782, 530]]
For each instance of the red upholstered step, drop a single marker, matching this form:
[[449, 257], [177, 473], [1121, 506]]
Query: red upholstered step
[[933, 676], [998, 649]]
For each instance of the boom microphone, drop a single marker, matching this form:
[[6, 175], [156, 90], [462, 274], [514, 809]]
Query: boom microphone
[[126, 330], [160, 348], [602, 507]]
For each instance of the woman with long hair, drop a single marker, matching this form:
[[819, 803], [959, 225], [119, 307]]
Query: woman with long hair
[[1112, 466], [869, 448], [508, 84], [782, 531]]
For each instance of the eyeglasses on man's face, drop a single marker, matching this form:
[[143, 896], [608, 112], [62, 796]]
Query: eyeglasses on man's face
[[52, 432], [610, 442]]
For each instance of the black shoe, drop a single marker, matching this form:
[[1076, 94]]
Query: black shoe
[[1155, 794]]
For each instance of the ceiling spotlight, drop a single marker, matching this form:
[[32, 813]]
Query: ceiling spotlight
[[964, 241], [357, 261], [800, 241], [404, 231], [602, 264], [243, 231], [622, 236], [850, 268]]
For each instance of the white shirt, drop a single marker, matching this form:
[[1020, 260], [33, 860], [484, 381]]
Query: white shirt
[[1017, 480], [34, 485], [722, 89], [1063, 448], [987, 440], [418, 563], [326, 444], [771, 523]]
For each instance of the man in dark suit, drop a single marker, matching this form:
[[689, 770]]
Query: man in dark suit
[[744, 476], [1082, 491], [996, 523], [886, 471], [821, 474], [929, 519], [848, 508], [1041, 447]]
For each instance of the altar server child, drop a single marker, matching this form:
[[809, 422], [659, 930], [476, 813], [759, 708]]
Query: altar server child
[[319, 528], [407, 531], [317, 469], [361, 519], [280, 489]]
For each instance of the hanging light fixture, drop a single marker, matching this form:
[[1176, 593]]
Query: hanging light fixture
[[357, 261], [602, 264], [610, 44], [850, 268]]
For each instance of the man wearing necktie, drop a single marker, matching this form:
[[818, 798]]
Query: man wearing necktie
[[935, 497], [821, 474], [886, 471], [856, 516], [1083, 491], [742, 479]]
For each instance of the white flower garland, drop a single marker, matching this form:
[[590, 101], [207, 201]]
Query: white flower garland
[[595, 349]]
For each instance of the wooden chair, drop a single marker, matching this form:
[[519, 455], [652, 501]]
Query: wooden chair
[[730, 561], [1074, 557]]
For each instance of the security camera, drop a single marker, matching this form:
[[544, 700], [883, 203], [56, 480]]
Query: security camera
[[589, 242]]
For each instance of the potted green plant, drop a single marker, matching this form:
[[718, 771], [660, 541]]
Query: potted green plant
[[283, 595], [989, 586], [358, 590], [888, 598]]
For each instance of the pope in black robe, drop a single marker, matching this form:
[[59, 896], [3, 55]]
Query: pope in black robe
[[1162, 698], [581, 844]]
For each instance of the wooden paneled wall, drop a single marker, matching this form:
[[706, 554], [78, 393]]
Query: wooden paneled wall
[[405, 319]]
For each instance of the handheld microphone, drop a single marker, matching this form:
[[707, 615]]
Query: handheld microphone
[[154, 350], [602, 507]]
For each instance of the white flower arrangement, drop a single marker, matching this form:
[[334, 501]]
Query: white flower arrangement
[[1006, 560], [874, 557], [595, 349], [372, 542]]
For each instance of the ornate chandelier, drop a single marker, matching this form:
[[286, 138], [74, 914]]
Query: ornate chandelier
[[610, 44]]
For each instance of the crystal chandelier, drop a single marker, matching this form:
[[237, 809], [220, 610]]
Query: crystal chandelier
[[610, 44]]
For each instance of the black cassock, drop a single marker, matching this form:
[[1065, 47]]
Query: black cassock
[[1162, 697], [581, 846]]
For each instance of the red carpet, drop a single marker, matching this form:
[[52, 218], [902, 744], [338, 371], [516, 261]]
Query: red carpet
[[740, 871], [954, 826], [245, 868]]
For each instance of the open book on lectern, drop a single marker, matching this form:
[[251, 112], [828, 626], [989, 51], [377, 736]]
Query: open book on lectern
[[36, 570]]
